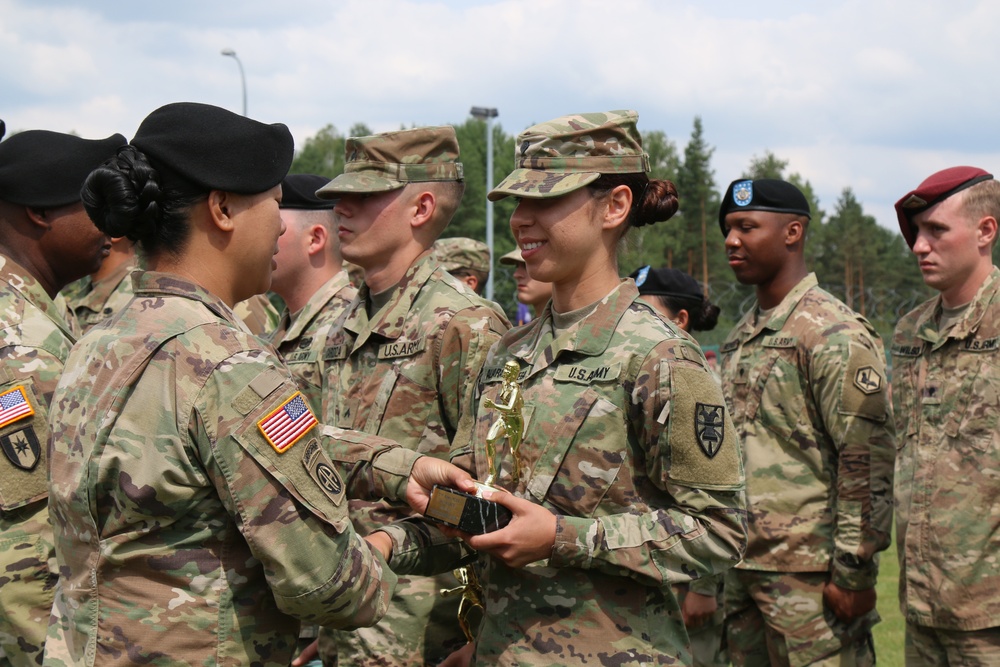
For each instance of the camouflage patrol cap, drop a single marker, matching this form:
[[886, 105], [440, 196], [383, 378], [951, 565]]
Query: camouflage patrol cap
[[513, 258], [388, 161], [456, 254], [557, 157]]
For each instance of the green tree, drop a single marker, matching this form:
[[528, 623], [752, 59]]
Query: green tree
[[322, 154], [647, 245]]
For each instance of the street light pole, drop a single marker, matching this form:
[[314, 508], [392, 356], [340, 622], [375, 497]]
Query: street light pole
[[488, 114], [243, 78]]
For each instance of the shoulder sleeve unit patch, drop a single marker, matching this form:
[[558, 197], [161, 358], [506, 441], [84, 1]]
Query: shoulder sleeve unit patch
[[286, 425]]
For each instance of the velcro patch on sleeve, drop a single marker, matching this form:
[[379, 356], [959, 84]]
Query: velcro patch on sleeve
[[322, 471], [14, 406], [288, 423], [864, 390]]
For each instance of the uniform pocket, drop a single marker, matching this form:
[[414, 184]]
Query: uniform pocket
[[583, 452], [781, 405], [976, 419]]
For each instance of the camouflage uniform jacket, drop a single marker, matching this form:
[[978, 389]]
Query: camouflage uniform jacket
[[189, 528], [300, 338], [409, 375], [98, 301], [628, 442], [35, 341], [946, 394], [808, 393]]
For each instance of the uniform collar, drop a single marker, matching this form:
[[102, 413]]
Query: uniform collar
[[100, 291], [590, 336], [25, 284], [751, 325], [155, 283], [301, 320], [927, 325], [390, 320]]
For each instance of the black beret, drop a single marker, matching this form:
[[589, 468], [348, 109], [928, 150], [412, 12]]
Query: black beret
[[3, 129], [298, 191], [936, 188], [667, 282], [39, 168], [763, 194], [215, 148]]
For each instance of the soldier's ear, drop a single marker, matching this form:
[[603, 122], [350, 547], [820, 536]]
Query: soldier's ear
[[987, 229], [795, 232], [219, 205]]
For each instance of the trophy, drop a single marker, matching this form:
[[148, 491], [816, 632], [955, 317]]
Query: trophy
[[473, 513]]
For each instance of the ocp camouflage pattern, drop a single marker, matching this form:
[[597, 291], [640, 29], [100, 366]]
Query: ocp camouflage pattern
[[408, 373], [183, 535], [807, 388], [35, 341], [301, 337], [946, 395], [628, 442]]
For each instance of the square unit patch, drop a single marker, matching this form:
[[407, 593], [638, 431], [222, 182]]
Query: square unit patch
[[288, 423]]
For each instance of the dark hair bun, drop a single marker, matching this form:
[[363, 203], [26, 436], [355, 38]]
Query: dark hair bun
[[122, 196], [659, 202]]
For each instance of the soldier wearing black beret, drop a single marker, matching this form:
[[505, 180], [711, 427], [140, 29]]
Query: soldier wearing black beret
[[678, 296], [46, 241], [805, 377]]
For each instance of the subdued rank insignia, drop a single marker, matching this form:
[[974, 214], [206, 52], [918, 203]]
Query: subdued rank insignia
[[709, 427], [22, 449], [868, 380]]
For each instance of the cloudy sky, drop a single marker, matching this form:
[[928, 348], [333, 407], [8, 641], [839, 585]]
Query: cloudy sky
[[871, 94]]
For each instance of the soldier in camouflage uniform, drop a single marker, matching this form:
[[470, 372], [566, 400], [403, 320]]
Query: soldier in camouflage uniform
[[466, 259], [402, 362], [680, 298], [46, 241], [310, 278], [97, 297], [805, 379], [632, 475], [946, 394], [197, 514]]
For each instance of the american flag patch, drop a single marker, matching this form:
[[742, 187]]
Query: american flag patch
[[14, 405], [292, 420]]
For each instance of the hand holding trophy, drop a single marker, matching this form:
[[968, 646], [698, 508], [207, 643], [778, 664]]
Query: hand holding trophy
[[475, 514]]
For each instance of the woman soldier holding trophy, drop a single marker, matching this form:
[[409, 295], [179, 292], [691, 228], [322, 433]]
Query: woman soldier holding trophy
[[631, 474]]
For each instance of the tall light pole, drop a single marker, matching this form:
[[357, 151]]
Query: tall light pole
[[488, 114], [243, 78]]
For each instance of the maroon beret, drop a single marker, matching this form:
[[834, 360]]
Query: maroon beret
[[936, 188]]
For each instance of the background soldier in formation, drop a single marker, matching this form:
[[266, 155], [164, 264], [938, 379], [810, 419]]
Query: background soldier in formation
[[403, 360], [466, 259], [805, 380], [310, 278], [946, 392], [46, 241], [531, 293]]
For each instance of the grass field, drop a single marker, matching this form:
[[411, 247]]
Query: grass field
[[890, 632]]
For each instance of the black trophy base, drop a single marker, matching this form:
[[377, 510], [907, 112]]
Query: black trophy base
[[468, 513]]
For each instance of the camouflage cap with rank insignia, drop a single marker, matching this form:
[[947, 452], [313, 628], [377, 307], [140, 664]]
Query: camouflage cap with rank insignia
[[935, 189], [388, 161], [565, 154]]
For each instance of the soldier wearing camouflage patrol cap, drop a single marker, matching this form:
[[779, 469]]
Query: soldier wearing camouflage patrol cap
[[632, 475], [805, 379], [946, 395], [46, 241], [466, 259], [197, 516], [531, 293], [403, 360]]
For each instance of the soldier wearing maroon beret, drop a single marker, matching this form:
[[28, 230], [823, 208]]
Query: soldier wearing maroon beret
[[946, 393]]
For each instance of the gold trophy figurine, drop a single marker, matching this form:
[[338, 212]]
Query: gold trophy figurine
[[474, 513], [509, 424]]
